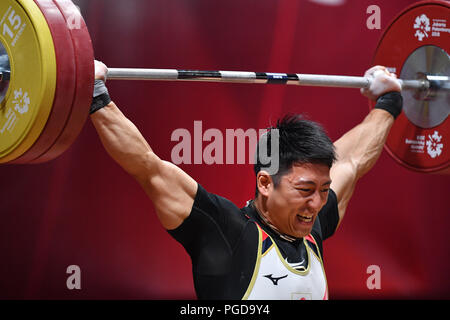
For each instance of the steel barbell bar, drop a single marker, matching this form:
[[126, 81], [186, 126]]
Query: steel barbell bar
[[263, 77], [319, 80]]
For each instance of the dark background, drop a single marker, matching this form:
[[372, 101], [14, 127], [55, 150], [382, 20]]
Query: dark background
[[83, 209]]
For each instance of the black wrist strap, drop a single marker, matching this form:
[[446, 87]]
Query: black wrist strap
[[99, 102], [101, 96], [392, 102]]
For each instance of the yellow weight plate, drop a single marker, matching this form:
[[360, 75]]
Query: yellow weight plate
[[24, 112]]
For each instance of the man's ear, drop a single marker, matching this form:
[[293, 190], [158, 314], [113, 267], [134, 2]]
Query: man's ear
[[264, 182]]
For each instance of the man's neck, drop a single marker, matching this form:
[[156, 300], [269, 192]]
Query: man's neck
[[261, 209]]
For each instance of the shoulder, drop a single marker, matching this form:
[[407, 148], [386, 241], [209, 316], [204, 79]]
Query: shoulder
[[211, 202], [330, 207], [211, 212], [328, 218]]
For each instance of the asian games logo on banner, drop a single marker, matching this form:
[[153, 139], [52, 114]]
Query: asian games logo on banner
[[425, 27]]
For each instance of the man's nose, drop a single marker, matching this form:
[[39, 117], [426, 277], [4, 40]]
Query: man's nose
[[316, 201]]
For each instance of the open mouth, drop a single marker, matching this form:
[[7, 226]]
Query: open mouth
[[305, 219]]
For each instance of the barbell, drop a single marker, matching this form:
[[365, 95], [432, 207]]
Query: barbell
[[47, 76]]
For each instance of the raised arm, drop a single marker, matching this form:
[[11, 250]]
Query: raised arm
[[171, 190], [359, 149]]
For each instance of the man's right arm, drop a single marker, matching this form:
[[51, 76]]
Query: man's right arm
[[359, 149], [171, 190]]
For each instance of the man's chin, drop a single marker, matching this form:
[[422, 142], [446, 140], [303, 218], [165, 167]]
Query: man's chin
[[300, 233], [302, 229]]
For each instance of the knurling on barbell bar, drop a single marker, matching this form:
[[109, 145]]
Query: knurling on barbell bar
[[38, 123]]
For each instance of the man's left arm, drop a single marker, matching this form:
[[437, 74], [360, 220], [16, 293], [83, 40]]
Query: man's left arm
[[359, 149]]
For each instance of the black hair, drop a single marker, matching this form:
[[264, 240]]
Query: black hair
[[300, 141]]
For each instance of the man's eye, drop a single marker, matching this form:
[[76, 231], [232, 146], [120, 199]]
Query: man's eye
[[304, 190], [325, 190]]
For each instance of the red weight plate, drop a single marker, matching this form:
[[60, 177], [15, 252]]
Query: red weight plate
[[65, 85], [422, 24], [84, 56]]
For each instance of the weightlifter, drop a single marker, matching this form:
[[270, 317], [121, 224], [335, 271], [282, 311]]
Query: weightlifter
[[271, 248]]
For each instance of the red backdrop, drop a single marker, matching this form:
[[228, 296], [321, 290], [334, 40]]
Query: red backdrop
[[82, 209]]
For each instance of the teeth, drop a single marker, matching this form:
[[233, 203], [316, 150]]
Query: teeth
[[305, 218]]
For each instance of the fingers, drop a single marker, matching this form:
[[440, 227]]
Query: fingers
[[380, 73], [376, 70], [101, 70], [371, 71], [381, 81]]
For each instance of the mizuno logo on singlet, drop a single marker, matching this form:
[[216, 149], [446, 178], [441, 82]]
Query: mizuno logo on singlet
[[273, 279]]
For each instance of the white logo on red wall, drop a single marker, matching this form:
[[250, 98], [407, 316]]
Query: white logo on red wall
[[422, 26], [434, 145]]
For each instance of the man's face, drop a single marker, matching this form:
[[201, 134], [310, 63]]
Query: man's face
[[293, 205]]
